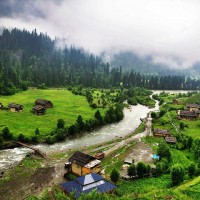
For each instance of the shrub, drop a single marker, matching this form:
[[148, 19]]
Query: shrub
[[132, 170], [60, 124], [141, 169], [114, 176], [177, 174]]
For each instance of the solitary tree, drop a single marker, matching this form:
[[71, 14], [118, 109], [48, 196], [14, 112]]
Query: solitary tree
[[60, 124], [114, 176], [132, 170], [177, 174], [37, 131], [6, 134]]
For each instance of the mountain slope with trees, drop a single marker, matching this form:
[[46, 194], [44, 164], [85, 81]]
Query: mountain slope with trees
[[31, 59]]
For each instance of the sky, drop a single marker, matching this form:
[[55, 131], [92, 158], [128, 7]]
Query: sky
[[166, 30]]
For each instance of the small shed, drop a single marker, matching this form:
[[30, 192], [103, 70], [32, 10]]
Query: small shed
[[185, 114], [44, 103], [161, 133], [128, 160], [86, 184], [38, 110], [15, 107], [171, 140]]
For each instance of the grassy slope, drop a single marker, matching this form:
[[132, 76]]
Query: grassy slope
[[66, 106]]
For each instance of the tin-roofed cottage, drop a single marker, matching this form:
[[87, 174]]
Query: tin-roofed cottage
[[86, 184]]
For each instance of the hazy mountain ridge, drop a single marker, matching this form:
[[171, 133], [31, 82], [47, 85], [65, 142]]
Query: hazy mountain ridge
[[130, 61]]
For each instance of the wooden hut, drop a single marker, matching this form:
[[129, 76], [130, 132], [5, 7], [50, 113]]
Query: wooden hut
[[161, 133], [15, 107], [171, 140], [193, 107], [185, 114], [82, 164], [44, 103], [38, 110]]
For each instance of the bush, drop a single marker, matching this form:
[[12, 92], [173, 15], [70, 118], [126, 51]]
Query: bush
[[141, 169], [177, 174], [132, 170], [191, 170]]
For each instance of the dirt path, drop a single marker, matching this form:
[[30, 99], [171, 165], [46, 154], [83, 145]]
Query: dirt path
[[135, 138]]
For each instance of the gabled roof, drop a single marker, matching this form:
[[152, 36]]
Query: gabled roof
[[42, 101], [88, 179], [87, 183], [161, 131], [13, 105], [81, 159], [38, 108], [171, 139], [194, 105], [186, 113]]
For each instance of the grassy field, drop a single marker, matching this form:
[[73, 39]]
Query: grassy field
[[67, 106]]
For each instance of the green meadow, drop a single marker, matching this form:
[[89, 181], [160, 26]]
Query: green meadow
[[67, 106]]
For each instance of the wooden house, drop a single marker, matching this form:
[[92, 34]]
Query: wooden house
[[193, 107], [86, 184], [15, 107], [175, 101], [38, 110], [186, 114], [82, 164], [44, 103], [161, 133], [171, 140]]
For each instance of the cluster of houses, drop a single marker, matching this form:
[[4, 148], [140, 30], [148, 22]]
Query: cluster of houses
[[192, 112], [87, 169], [38, 109], [166, 135]]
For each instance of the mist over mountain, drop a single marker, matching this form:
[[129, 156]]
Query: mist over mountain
[[144, 64]]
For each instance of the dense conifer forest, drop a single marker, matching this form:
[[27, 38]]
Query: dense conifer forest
[[32, 59]]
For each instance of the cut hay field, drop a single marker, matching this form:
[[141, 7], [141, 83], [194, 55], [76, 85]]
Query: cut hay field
[[67, 106]]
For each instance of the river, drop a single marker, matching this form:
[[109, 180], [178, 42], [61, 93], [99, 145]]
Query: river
[[130, 122]]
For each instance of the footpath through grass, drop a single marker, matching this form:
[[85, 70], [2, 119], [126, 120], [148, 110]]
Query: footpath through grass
[[67, 106]]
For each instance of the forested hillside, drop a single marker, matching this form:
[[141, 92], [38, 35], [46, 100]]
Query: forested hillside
[[31, 59]]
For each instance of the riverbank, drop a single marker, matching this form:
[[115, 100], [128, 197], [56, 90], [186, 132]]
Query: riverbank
[[33, 175]]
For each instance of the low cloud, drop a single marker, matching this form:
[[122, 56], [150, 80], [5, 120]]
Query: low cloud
[[167, 30]]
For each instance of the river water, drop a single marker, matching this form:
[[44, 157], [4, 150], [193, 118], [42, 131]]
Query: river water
[[130, 122]]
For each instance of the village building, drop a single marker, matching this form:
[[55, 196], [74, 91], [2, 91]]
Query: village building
[[44, 103], [185, 114], [86, 184], [15, 107], [129, 160], [175, 101], [38, 110], [82, 164], [193, 107], [171, 140], [161, 133]]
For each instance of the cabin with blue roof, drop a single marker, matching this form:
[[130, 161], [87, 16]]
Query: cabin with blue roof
[[86, 184]]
